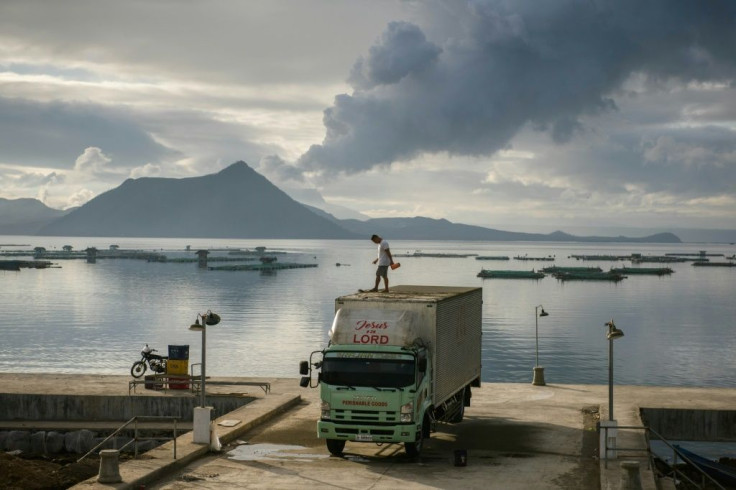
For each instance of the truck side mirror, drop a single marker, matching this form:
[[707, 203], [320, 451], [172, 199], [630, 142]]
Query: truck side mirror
[[303, 368], [304, 382], [422, 365]]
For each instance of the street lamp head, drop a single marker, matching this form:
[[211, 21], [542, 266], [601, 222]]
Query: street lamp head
[[613, 332], [211, 318], [543, 313], [196, 326]]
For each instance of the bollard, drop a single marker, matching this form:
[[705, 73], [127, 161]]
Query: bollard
[[630, 478], [201, 425], [538, 377], [109, 466]]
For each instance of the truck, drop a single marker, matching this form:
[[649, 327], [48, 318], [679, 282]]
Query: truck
[[397, 363]]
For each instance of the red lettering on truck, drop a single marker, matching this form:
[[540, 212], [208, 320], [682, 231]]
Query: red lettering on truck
[[369, 325], [370, 339]]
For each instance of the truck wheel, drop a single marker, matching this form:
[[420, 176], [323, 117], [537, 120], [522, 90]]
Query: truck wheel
[[414, 448], [335, 446], [458, 417]]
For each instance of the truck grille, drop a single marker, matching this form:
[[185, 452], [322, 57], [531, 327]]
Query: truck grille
[[374, 432], [365, 416]]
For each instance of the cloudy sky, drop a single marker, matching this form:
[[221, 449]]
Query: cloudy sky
[[515, 114]]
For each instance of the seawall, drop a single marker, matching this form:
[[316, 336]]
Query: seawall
[[117, 408]]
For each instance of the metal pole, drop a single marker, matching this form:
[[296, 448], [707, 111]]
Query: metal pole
[[610, 379], [204, 356], [536, 336]]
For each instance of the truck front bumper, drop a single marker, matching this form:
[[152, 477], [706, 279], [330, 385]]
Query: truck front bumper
[[368, 433]]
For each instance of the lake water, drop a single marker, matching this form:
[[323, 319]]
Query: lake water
[[95, 318]]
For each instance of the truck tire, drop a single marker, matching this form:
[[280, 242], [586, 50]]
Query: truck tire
[[335, 446], [458, 417], [413, 449]]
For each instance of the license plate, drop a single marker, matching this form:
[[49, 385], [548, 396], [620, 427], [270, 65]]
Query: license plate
[[364, 437]]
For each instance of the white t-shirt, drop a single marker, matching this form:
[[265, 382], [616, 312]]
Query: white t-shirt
[[382, 255]]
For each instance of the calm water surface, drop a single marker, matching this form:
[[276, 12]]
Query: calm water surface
[[95, 318]]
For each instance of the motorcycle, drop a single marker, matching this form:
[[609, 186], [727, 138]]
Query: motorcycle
[[149, 360]]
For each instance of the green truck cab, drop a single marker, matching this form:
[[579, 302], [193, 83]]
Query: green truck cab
[[397, 363]]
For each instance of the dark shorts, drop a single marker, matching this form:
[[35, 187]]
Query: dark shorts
[[382, 271]]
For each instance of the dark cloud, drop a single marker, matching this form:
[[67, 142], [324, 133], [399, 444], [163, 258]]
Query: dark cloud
[[55, 134], [276, 168], [495, 66], [683, 163], [402, 51]]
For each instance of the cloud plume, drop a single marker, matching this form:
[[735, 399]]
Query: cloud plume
[[486, 69]]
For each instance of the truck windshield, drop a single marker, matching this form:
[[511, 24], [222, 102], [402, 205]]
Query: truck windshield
[[381, 373]]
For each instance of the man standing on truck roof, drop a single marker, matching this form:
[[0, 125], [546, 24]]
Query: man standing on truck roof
[[384, 260]]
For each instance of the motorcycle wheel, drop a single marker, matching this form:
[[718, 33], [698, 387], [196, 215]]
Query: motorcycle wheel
[[138, 369]]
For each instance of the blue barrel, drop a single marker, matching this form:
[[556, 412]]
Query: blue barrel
[[179, 352]]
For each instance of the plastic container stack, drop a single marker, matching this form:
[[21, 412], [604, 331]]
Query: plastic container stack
[[178, 364]]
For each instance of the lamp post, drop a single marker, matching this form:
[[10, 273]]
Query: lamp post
[[202, 413], [538, 377], [609, 427], [612, 334]]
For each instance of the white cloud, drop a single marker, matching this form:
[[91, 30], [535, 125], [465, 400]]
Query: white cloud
[[80, 197], [92, 162], [147, 170]]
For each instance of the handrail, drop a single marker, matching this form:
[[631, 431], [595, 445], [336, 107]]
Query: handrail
[[677, 452], [647, 431], [135, 439]]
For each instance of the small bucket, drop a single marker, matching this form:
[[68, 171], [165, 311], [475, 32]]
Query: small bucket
[[461, 457]]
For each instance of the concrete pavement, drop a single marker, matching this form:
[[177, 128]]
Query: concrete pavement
[[517, 436]]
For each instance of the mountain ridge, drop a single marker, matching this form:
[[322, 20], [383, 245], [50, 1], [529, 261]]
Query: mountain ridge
[[238, 202]]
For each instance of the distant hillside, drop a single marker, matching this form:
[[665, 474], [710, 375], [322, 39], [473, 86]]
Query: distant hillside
[[25, 216], [237, 202], [440, 229]]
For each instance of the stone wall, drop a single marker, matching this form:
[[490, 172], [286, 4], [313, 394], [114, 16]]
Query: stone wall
[[35, 407], [76, 442], [691, 425]]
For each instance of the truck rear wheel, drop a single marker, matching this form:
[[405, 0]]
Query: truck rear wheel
[[335, 446], [458, 417]]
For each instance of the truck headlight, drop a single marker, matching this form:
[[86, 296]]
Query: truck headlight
[[407, 412], [325, 408]]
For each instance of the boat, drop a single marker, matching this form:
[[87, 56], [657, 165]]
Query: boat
[[723, 474], [600, 257], [655, 271], [526, 257], [16, 265], [492, 257], [555, 268], [589, 276], [506, 274], [437, 255], [9, 265], [639, 259]]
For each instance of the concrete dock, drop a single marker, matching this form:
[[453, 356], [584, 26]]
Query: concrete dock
[[517, 436]]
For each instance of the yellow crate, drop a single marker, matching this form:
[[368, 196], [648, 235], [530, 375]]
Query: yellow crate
[[177, 367]]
